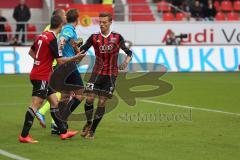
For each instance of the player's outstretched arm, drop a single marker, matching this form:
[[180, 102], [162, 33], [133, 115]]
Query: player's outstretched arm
[[57, 53], [87, 44], [76, 58], [76, 44]]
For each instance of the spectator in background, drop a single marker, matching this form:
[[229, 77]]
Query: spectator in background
[[21, 14], [197, 11], [177, 3], [186, 8], [210, 11], [190, 3], [204, 3], [3, 37]]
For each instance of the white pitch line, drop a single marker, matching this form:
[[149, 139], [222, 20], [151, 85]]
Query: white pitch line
[[10, 155], [156, 102], [188, 107]]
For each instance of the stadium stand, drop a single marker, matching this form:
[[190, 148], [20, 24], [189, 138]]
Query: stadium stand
[[31, 28], [8, 29], [168, 16], [180, 16], [125, 10], [119, 10], [220, 16], [139, 10], [236, 5], [217, 5], [226, 6], [163, 6], [232, 16]]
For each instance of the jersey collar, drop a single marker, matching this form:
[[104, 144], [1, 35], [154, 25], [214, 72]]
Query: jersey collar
[[53, 33], [106, 35], [70, 25]]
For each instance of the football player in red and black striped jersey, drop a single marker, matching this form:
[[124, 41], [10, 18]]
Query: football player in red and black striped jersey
[[106, 44], [44, 50]]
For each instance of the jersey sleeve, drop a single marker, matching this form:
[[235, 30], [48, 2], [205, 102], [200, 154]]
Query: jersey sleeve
[[123, 46], [67, 33], [54, 48], [87, 44]]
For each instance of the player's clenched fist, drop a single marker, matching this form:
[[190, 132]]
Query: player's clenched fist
[[76, 44]]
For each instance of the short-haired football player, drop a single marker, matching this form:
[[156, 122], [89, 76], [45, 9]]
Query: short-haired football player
[[44, 50], [66, 37], [106, 44]]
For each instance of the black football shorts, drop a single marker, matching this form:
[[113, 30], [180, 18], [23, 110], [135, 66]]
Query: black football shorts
[[41, 89], [75, 79], [101, 85]]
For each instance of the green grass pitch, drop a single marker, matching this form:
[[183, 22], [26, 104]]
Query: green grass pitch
[[208, 131]]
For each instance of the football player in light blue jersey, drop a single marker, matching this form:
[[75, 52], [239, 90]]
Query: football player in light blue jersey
[[67, 35], [68, 32]]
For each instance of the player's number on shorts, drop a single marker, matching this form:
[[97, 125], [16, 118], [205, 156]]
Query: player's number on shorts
[[39, 46], [89, 86]]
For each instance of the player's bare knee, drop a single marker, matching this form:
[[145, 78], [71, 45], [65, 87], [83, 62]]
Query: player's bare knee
[[90, 100], [79, 97], [54, 104], [101, 104], [36, 105], [65, 97], [53, 100], [102, 100]]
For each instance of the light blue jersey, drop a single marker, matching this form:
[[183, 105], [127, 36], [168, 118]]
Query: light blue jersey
[[68, 32]]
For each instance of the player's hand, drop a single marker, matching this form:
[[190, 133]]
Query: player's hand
[[77, 43], [73, 43], [80, 56], [123, 66]]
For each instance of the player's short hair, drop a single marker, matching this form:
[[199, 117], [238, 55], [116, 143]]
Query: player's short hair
[[106, 14], [56, 21], [57, 11], [72, 15]]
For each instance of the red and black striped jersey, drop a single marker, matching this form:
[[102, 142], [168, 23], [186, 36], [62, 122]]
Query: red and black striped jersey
[[106, 50], [46, 49]]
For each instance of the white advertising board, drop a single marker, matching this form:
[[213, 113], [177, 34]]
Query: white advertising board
[[142, 33], [175, 59]]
